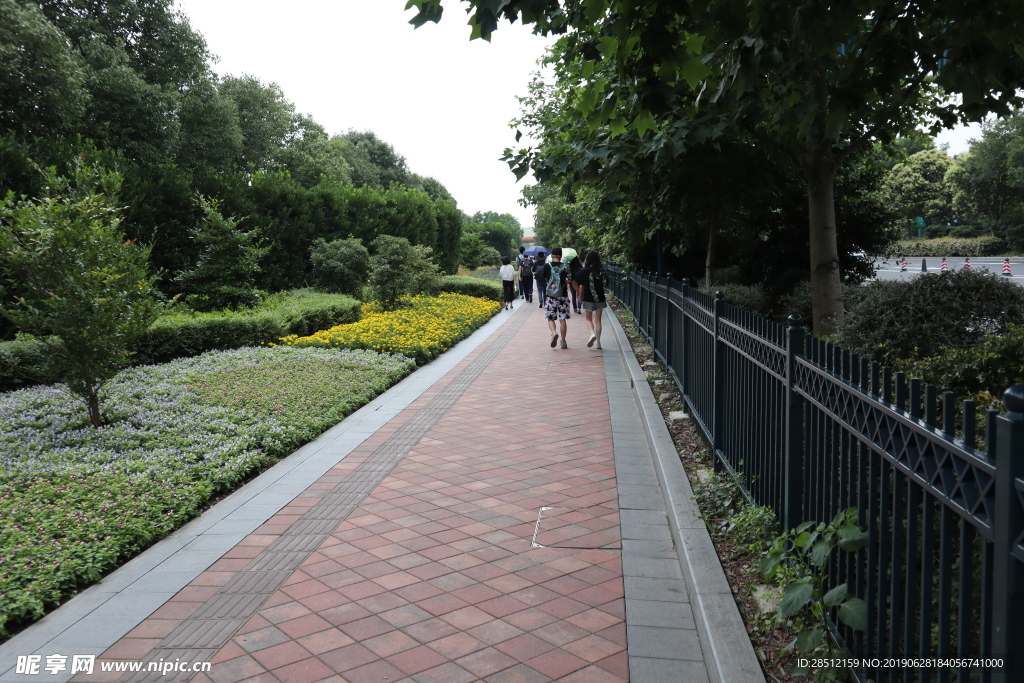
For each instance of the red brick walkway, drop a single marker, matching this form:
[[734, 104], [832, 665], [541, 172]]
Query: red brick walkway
[[433, 577]]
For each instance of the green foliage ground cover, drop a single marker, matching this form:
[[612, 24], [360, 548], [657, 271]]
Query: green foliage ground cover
[[182, 333], [75, 501]]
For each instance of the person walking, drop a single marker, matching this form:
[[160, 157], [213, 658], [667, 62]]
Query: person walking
[[556, 296], [538, 276], [521, 260], [575, 266], [508, 281], [591, 281], [526, 277]]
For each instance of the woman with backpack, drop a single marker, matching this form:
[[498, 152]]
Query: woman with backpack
[[526, 277], [591, 280], [538, 275], [556, 295]]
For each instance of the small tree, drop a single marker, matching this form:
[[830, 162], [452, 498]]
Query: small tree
[[398, 268], [229, 259], [471, 249], [71, 278], [340, 266]]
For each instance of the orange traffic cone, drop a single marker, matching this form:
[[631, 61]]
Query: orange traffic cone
[[903, 265], [945, 266], [967, 264], [1006, 267]]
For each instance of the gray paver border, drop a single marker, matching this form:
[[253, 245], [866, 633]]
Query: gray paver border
[[728, 653], [106, 611]]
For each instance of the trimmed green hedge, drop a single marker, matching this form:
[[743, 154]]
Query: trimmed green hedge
[[472, 286], [22, 362], [952, 246], [181, 335]]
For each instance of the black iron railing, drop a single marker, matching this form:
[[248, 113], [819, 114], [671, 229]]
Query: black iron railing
[[810, 429]]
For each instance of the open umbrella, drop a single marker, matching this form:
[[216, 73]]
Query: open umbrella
[[568, 254], [533, 251]]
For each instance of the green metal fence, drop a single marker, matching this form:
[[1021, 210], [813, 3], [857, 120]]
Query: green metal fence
[[811, 429]]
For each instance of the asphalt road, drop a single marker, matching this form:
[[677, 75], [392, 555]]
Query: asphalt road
[[890, 269]]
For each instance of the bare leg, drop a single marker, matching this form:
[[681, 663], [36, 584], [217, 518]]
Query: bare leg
[[597, 322], [561, 325], [551, 326], [589, 315]]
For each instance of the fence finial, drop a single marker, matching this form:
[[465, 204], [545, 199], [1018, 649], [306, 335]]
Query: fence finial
[[1013, 397], [720, 295], [795, 320]]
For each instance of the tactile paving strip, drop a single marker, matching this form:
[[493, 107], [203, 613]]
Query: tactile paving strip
[[212, 625]]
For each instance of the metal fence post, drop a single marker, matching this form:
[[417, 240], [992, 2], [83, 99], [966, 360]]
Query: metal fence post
[[670, 358], [792, 513], [718, 392], [684, 341], [1008, 572]]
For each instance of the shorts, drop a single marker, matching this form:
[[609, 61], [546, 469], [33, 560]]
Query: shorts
[[594, 306], [556, 309]]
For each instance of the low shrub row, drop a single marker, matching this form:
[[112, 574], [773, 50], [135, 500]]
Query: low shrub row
[[423, 328], [185, 334], [472, 286], [951, 246]]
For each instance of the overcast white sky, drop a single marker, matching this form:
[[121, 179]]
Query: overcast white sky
[[958, 138], [442, 101]]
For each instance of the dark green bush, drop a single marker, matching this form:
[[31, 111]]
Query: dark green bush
[[905, 320], [179, 335], [748, 297], [340, 266], [398, 268], [225, 274], [980, 372], [23, 363], [471, 286], [778, 308]]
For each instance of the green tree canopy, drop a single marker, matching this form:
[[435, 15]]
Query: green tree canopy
[[311, 155], [265, 118], [373, 161], [821, 81], [918, 187], [42, 80], [210, 137], [159, 42], [988, 180]]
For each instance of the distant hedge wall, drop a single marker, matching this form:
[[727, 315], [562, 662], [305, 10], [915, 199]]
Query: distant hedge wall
[[180, 335], [952, 246], [471, 286]]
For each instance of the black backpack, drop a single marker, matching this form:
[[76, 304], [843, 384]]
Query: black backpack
[[527, 265]]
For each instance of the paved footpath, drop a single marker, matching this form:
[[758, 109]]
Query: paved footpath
[[507, 513]]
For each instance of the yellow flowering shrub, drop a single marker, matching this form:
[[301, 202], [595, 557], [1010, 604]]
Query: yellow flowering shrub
[[426, 327]]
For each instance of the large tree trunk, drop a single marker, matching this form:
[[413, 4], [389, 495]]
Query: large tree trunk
[[712, 250], [826, 289]]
